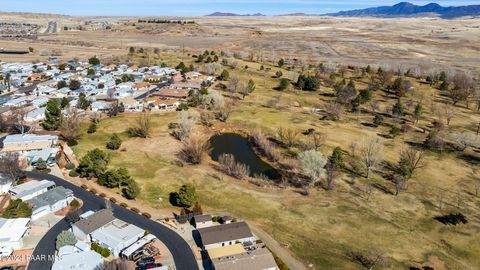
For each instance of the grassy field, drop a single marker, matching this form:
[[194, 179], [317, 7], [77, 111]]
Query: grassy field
[[323, 227]]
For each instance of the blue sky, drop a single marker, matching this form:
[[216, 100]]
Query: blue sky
[[197, 7]]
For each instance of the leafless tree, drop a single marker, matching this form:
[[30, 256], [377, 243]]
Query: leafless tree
[[374, 105], [331, 174], [448, 112], [186, 122], [233, 86], [268, 149], [117, 264], [370, 259], [233, 168], [353, 148], [410, 161], [317, 139], [333, 110], [312, 163], [371, 154], [206, 118], [16, 118], [142, 127], [194, 149], [10, 165], [400, 184], [463, 88], [224, 112], [73, 215], [70, 126]]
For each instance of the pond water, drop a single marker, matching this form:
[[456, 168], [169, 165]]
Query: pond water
[[240, 148]]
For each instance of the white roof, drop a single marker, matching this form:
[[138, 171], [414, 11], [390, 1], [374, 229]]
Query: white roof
[[117, 233], [83, 260], [18, 138], [31, 187], [139, 244], [13, 229], [87, 214]]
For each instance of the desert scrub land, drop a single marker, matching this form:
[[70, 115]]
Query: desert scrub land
[[358, 220]]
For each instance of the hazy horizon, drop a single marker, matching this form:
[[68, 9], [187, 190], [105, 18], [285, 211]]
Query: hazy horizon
[[198, 8]]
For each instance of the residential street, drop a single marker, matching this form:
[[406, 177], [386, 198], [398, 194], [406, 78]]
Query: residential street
[[182, 254]]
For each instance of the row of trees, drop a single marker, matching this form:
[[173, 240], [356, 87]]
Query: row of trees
[[95, 164]]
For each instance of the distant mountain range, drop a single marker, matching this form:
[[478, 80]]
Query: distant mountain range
[[405, 9], [227, 14]]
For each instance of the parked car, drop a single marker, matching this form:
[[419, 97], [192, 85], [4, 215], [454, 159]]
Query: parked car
[[145, 260], [151, 266]]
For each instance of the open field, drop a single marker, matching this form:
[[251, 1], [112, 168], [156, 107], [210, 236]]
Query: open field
[[320, 229], [421, 42]]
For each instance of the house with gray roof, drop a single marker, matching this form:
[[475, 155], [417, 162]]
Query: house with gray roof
[[30, 189], [87, 225], [117, 236], [50, 201], [226, 235]]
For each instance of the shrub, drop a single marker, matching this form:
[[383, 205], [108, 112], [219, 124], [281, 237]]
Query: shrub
[[100, 250], [124, 205], [73, 173], [92, 128], [193, 149], [135, 210], [113, 200], [167, 219], [103, 195], [70, 166], [75, 203], [65, 238], [147, 215], [115, 142], [94, 191], [452, 219], [84, 186]]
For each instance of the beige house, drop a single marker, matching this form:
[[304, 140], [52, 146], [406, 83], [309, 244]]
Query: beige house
[[28, 142]]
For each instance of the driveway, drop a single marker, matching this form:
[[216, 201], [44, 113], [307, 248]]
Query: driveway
[[182, 254]]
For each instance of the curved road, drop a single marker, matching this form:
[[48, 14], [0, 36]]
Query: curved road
[[182, 254]]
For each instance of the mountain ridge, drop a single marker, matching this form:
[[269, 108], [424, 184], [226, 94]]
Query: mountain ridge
[[404, 9]]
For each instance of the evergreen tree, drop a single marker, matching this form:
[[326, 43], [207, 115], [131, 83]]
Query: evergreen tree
[[337, 157], [53, 116], [398, 108], [115, 142], [64, 103], [94, 61], [281, 62], [224, 75], [132, 190], [82, 102]]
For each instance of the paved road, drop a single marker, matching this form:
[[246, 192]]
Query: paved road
[[148, 93], [182, 254]]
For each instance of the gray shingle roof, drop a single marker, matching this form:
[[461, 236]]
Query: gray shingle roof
[[225, 232], [95, 221], [203, 218], [50, 197]]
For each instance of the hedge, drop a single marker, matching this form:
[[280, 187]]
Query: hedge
[[113, 200], [100, 250], [147, 215], [103, 195], [84, 186], [94, 191], [124, 205], [70, 166], [135, 210]]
